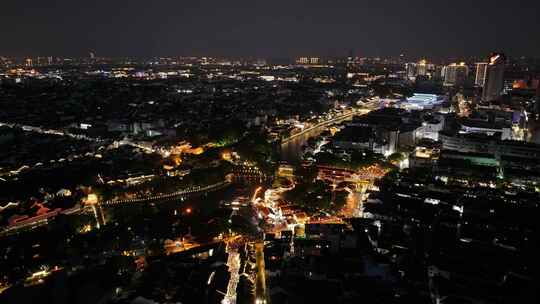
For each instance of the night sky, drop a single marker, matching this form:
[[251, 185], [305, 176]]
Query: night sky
[[436, 28]]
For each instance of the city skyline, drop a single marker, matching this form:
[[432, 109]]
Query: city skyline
[[276, 30], [269, 152]]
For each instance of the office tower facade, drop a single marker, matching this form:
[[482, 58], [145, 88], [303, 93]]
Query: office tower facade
[[302, 60], [494, 83], [420, 68], [410, 70], [309, 60], [481, 71], [455, 74], [423, 68]]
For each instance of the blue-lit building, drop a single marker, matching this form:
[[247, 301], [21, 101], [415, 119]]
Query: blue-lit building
[[422, 102]]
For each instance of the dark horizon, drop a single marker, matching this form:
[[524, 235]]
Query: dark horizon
[[270, 30]]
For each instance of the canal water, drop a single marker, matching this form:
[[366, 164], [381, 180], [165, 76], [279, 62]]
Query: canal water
[[291, 151]]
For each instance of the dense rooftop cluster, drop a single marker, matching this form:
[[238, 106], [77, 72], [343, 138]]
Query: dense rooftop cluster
[[241, 181]]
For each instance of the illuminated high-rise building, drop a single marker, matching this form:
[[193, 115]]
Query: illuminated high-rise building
[[309, 60], [411, 70], [302, 60], [494, 83], [420, 68], [481, 71], [350, 59], [455, 74], [28, 62]]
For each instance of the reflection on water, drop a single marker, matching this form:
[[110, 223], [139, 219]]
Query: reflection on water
[[291, 151]]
